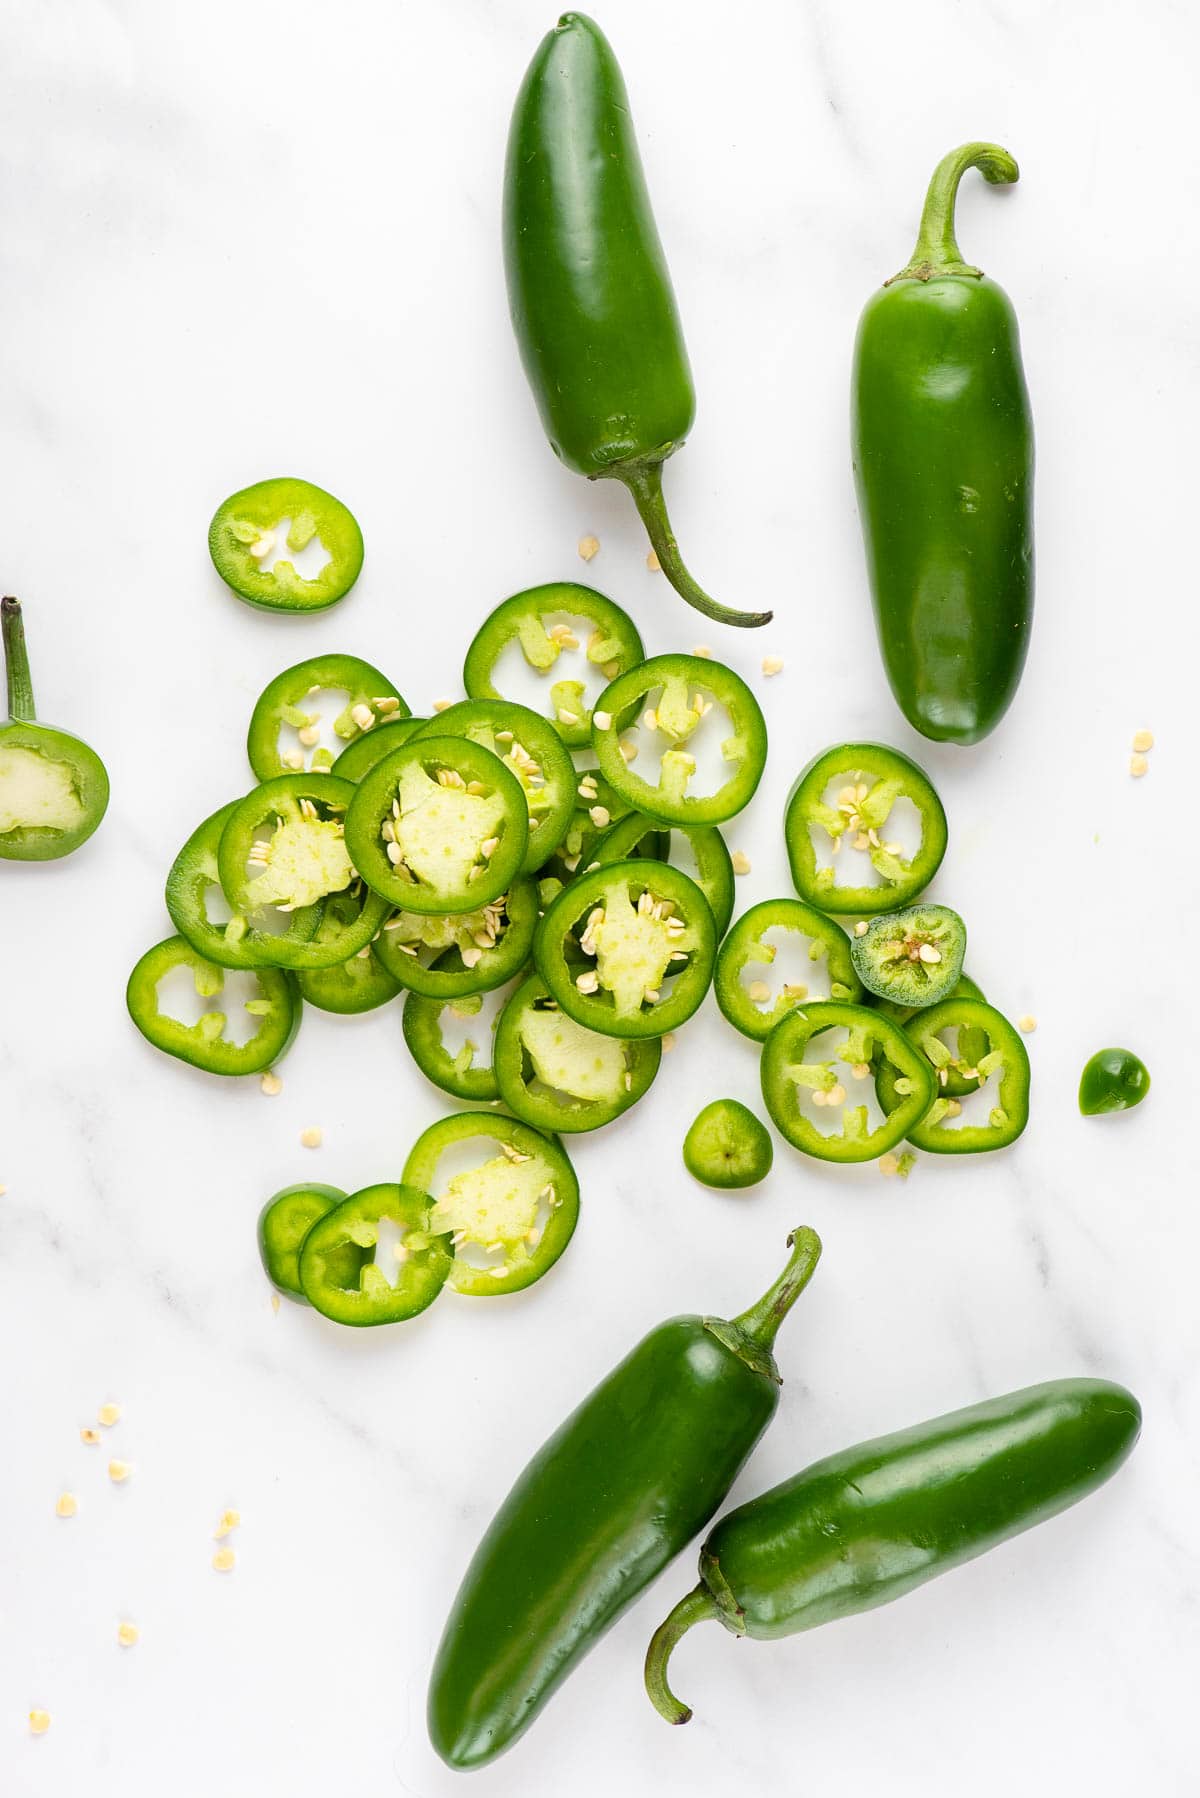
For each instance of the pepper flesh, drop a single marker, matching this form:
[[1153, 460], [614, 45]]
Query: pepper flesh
[[53, 787]]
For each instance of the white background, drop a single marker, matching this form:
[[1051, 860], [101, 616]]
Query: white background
[[240, 239]]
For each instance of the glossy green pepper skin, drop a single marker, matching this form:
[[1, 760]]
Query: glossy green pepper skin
[[588, 288], [874, 1522], [1112, 1080], [615, 1494], [943, 462], [53, 787]]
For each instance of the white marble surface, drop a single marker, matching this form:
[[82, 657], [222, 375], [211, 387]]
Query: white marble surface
[[240, 238]]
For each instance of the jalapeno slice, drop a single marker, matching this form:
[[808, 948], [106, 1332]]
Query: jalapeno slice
[[1005, 1061], [457, 953], [370, 747], [194, 879], [541, 623], [275, 1007], [283, 1223], [561, 1076], [712, 868], [246, 547], [972, 1044], [534, 755], [847, 795], [286, 723], [912, 957], [283, 849], [727, 1146], [671, 698], [359, 982], [440, 825], [1112, 1080], [628, 949], [597, 807], [53, 787], [401, 1263], [795, 1076], [511, 1213], [464, 1070], [757, 1007]]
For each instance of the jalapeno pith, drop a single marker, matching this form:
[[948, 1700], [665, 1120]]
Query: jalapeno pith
[[440, 825], [243, 538], [755, 1010], [535, 756], [727, 1147], [1113, 1080], [673, 695], [457, 953], [402, 1259], [285, 726], [912, 957], [597, 808], [195, 876], [510, 1215], [637, 835], [53, 788], [275, 1006], [468, 1072], [559, 1075], [790, 1070], [611, 941], [870, 779], [611, 646], [359, 982], [283, 1223], [937, 1130]]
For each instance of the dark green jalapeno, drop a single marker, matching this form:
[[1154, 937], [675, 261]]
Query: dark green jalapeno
[[588, 288], [943, 461], [869, 1524], [1112, 1080]]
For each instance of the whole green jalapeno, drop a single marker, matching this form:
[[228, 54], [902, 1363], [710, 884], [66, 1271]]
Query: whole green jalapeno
[[588, 287], [943, 462]]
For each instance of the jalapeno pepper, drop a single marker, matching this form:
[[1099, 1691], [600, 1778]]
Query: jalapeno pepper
[[865, 1526], [285, 725], [561, 1076], [195, 876], [509, 1215], [243, 540], [358, 983], [1112, 1080], [727, 1147], [972, 1044], [794, 1076], [458, 953], [283, 1223], [612, 941], [711, 869], [440, 825], [626, 1482], [540, 623], [53, 788], [275, 1006], [756, 1009], [588, 288], [369, 747], [535, 755], [937, 1130], [673, 696], [912, 957], [376, 1258], [849, 794], [943, 461], [467, 1073], [283, 849]]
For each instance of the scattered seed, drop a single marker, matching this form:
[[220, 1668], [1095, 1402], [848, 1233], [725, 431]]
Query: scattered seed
[[108, 1414], [312, 1136], [1138, 765], [602, 720], [310, 736], [1026, 1023], [588, 981], [759, 991], [275, 1302], [629, 749], [861, 928], [794, 990], [650, 718], [119, 1471], [127, 1634], [836, 1095], [362, 715], [441, 705], [819, 1097], [1142, 741], [39, 1722], [928, 954], [588, 547], [67, 1505], [389, 703], [772, 665], [291, 758], [702, 649], [229, 1521], [89, 1437], [889, 1165], [565, 717], [741, 863], [262, 546], [652, 562], [224, 1561], [271, 1084], [860, 1069]]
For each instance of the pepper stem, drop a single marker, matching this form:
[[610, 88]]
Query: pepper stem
[[937, 251], [761, 1322], [698, 1607], [644, 481], [16, 662]]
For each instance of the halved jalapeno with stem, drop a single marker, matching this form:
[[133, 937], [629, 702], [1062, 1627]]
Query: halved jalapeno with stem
[[862, 797], [756, 1007], [558, 1074], [53, 787], [820, 1057]]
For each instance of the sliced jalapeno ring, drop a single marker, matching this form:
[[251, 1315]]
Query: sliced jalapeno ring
[[1006, 1060], [913, 957], [838, 1080], [972, 1044], [286, 723], [464, 1069], [727, 1146], [712, 870], [369, 747], [597, 808], [440, 825], [541, 622], [247, 548], [510, 1214], [275, 1007], [53, 787], [490, 945], [377, 1258], [534, 755], [628, 949], [1112, 1080], [756, 1008], [561, 1076], [283, 1223], [868, 780], [670, 697], [195, 878], [359, 982]]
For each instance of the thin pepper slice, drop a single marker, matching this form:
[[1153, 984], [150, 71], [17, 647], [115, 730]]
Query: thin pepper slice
[[358, 983], [285, 709], [376, 1258], [561, 1076], [597, 808], [712, 865], [53, 787], [972, 1044], [275, 1007], [1005, 1059], [283, 1223], [244, 537], [540, 623], [193, 879], [838, 1079], [868, 780], [747, 945], [446, 957], [467, 1073], [368, 747]]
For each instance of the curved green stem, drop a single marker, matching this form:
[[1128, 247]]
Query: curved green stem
[[16, 662], [937, 251], [698, 1607], [644, 481], [761, 1322]]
